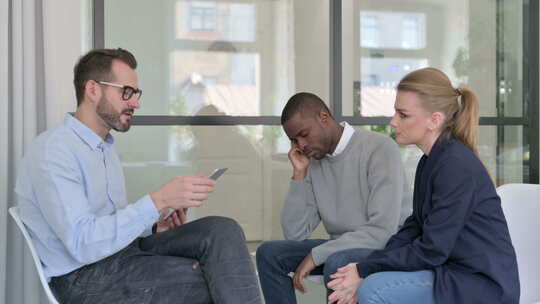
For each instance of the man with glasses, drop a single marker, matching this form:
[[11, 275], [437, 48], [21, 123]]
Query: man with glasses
[[97, 248], [127, 91]]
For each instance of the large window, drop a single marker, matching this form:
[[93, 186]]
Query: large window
[[483, 45], [216, 75]]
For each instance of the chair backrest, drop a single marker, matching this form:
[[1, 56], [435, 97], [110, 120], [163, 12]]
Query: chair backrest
[[521, 206], [14, 211]]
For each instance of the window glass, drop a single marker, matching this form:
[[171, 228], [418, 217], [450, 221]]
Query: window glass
[[255, 156], [247, 57], [478, 44], [243, 57]]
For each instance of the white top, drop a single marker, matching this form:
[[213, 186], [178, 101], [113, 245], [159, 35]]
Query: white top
[[348, 132]]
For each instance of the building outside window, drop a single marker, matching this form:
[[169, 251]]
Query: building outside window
[[202, 16]]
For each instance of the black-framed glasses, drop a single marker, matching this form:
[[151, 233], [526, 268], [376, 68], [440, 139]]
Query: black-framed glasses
[[127, 91]]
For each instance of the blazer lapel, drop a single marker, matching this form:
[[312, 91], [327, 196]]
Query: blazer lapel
[[423, 178]]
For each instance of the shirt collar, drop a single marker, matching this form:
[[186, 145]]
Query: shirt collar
[[86, 134], [348, 132]]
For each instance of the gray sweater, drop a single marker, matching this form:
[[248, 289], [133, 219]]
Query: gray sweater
[[361, 195]]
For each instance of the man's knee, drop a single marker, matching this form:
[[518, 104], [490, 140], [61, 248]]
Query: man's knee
[[223, 227], [343, 258], [267, 251], [267, 256], [335, 261]]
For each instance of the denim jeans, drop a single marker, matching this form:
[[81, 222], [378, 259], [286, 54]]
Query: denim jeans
[[397, 287], [205, 261], [276, 259]]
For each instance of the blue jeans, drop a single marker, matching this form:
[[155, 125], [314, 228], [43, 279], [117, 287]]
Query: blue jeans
[[276, 259], [397, 287], [204, 261]]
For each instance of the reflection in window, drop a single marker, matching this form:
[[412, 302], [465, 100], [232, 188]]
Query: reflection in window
[[410, 33], [243, 69], [374, 93], [227, 81], [209, 79], [379, 77], [378, 30], [211, 20], [202, 16], [369, 31], [241, 23]]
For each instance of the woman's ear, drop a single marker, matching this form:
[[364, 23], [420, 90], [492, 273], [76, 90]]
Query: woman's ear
[[437, 120]]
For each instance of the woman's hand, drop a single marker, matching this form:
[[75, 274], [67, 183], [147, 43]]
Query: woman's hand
[[345, 285]]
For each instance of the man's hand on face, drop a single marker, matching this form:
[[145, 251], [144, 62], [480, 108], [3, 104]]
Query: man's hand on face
[[303, 270], [299, 161], [178, 218], [183, 192]]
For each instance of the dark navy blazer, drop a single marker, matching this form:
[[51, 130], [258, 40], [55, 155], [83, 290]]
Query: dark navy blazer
[[457, 229]]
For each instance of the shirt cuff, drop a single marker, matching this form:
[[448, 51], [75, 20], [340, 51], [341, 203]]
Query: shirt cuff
[[298, 187], [147, 210], [317, 260], [298, 182]]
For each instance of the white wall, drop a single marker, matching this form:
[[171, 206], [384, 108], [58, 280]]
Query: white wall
[[4, 172], [61, 48], [62, 40]]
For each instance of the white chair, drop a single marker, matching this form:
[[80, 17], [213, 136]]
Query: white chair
[[521, 206], [14, 211], [318, 279]]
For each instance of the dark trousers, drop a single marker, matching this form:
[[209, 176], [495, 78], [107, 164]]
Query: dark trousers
[[205, 261], [276, 259]]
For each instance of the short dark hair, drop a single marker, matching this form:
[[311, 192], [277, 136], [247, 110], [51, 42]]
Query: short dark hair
[[307, 104], [96, 65]]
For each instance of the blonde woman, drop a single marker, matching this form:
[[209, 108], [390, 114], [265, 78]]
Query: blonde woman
[[455, 247]]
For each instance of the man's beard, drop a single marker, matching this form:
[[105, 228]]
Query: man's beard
[[106, 112]]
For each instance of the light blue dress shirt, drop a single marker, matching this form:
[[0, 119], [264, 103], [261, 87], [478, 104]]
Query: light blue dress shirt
[[72, 199]]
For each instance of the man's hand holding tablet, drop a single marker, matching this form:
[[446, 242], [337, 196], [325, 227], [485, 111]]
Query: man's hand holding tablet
[[217, 173], [169, 211]]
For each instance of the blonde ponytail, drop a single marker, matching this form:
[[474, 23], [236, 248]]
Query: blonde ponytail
[[460, 106], [465, 125]]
